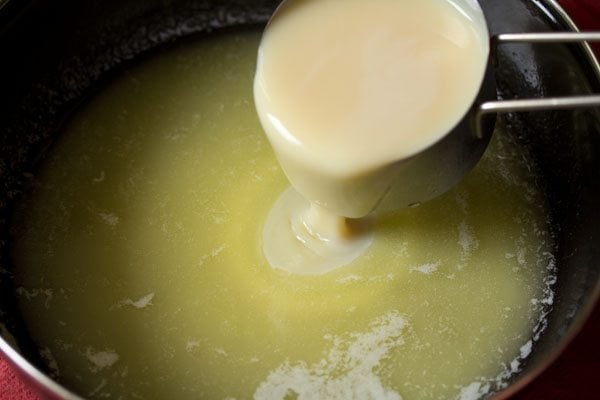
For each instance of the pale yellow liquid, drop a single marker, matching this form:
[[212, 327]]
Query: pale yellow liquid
[[140, 269]]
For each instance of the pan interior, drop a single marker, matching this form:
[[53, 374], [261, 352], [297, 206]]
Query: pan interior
[[139, 272]]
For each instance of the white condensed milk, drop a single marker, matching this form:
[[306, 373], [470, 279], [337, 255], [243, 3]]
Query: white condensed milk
[[344, 90]]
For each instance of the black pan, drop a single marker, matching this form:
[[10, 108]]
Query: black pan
[[55, 53]]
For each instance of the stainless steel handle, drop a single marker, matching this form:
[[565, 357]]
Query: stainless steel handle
[[546, 37], [537, 104]]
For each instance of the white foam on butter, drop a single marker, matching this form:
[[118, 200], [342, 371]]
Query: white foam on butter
[[347, 372], [426, 269], [467, 240], [526, 349], [474, 391], [209, 256], [143, 302], [101, 359], [192, 345], [109, 218]]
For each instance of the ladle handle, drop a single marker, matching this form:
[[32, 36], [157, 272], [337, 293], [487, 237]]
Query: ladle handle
[[537, 104]]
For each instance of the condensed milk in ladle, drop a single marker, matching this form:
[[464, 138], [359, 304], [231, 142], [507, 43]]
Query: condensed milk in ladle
[[346, 90]]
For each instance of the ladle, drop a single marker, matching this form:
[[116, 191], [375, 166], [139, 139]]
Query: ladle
[[436, 169]]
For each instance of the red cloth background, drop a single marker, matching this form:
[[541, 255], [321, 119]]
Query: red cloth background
[[574, 376]]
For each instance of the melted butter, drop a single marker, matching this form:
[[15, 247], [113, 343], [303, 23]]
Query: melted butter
[[140, 271]]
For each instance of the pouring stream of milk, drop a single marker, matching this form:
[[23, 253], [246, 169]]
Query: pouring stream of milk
[[346, 89]]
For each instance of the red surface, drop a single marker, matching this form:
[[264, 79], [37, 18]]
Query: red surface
[[586, 14], [575, 375], [11, 387]]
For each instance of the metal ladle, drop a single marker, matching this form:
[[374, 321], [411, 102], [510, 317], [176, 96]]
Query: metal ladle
[[431, 172]]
